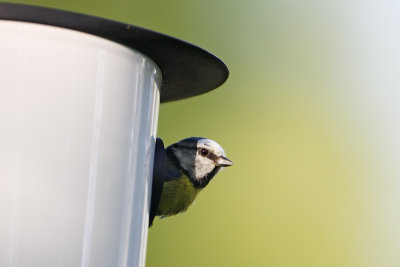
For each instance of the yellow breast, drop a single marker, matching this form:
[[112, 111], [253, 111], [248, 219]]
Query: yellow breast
[[177, 195]]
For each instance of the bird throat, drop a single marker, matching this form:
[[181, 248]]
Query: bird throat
[[203, 182]]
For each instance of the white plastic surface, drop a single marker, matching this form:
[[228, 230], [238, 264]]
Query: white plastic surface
[[78, 119]]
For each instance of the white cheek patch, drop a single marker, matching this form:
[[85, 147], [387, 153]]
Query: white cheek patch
[[203, 166]]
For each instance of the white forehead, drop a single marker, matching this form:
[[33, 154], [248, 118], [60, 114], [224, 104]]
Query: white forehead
[[212, 146]]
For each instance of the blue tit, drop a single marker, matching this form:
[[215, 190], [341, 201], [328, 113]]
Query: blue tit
[[190, 165]]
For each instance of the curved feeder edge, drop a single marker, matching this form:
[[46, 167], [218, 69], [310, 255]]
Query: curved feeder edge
[[158, 178]]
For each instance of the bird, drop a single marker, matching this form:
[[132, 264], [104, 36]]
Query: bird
[[190, 165]]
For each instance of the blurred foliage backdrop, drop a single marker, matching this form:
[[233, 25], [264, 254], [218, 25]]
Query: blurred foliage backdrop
[[305, 189]]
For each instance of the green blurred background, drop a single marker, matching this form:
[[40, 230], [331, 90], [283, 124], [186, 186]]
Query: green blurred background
[[305, 189]]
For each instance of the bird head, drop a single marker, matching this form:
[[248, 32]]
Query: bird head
[[199, 158]]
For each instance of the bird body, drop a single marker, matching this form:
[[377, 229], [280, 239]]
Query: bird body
[[190, 165], [177, 196]]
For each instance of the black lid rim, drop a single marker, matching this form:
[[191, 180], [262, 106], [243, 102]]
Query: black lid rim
[[187, 70]]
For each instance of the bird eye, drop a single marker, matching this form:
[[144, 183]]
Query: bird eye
[[203, 152]]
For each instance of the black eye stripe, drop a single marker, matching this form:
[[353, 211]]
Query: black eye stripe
[[209, 155], [212, 156]]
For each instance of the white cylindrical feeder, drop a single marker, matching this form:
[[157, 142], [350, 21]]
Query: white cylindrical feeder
[[79, 101]]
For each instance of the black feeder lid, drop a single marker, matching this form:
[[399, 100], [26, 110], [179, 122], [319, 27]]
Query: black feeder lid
[[187, 70]]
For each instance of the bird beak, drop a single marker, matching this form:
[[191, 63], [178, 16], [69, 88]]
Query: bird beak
[[223, 162]]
